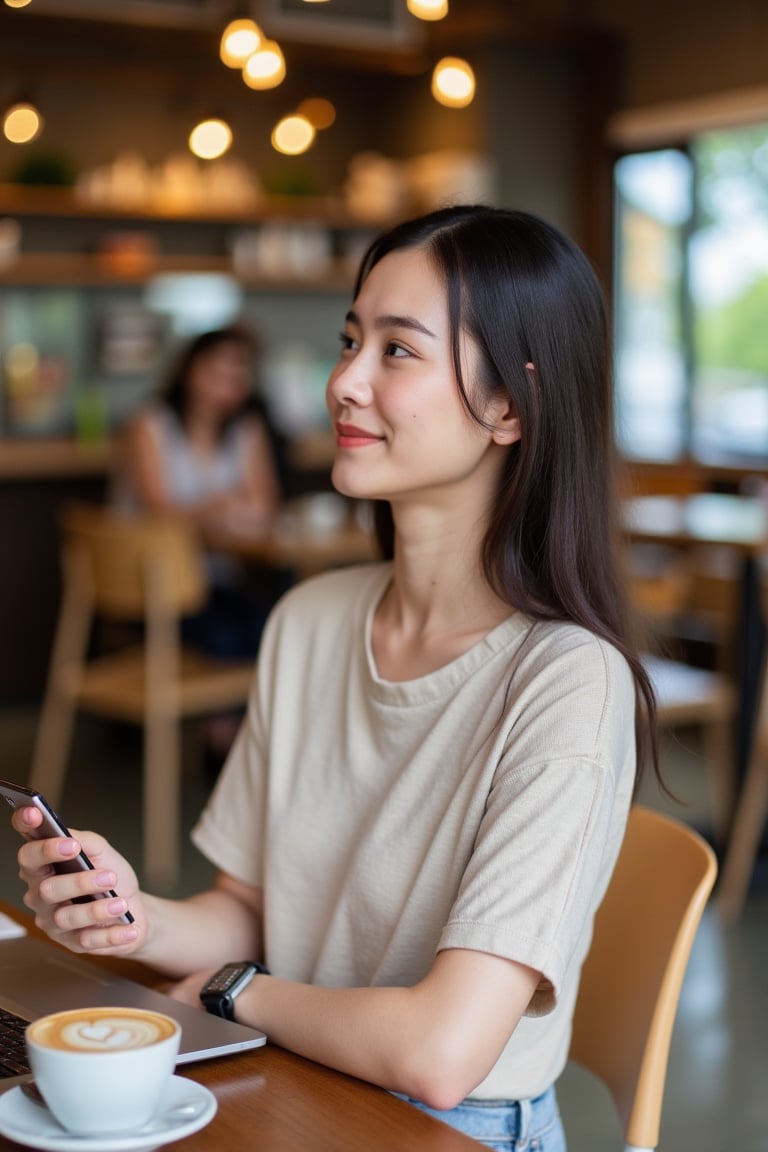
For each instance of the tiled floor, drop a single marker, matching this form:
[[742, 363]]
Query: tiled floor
[[717, 1096]]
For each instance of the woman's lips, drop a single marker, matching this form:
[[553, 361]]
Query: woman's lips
[[350, 436]]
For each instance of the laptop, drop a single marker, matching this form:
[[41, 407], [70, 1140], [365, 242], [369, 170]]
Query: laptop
[[37, 977]]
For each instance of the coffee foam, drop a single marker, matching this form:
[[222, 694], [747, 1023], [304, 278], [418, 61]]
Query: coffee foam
[[101, 1030]]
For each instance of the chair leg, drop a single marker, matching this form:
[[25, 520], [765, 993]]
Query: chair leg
[[52, 743], [718, 744], [162, 756], [745, 836], [54, 732]]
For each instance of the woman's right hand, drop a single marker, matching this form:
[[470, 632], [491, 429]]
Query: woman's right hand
[[87, 927]]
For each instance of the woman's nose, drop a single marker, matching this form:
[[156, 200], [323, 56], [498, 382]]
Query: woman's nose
[[348, 383]]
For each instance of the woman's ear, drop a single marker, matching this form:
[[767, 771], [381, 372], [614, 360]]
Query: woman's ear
[[506, 422], [506, 425], [503, 422]]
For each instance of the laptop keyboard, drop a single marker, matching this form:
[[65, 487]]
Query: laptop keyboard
[[13, 1050]]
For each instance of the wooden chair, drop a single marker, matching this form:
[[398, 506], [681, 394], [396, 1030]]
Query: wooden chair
[[631, 981], [706, 700], [132, 569]]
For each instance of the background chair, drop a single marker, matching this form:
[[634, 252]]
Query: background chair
[[147, 570], [633, 974], [688, 696]]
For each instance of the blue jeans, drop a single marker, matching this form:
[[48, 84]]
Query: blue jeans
[[508, 1125]]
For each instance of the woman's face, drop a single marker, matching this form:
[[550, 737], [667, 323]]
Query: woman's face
[[400, 425], [220, 379]]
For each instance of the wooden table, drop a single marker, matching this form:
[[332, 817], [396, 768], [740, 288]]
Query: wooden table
[[736, 522], [303, 551], [272, 1101]]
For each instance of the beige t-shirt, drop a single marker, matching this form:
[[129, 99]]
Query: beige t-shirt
[[481, 806]]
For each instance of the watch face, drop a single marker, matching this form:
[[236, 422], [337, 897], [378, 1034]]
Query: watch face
[[229, 977], [219, 993]]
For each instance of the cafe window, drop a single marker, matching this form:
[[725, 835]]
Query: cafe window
[[691, 299]]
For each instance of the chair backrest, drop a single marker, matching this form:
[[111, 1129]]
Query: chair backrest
[[118, 559], [631, 980]]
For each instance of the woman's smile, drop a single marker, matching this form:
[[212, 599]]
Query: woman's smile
[[350, 436]]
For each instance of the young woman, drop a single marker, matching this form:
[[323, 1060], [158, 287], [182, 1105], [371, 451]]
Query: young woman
[[424, 806]]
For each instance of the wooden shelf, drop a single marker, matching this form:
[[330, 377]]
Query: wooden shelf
[[58, 206], [20, 200], [33, 459], [98, 271]]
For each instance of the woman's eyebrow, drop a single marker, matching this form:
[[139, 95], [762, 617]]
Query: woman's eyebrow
[[382, 322]]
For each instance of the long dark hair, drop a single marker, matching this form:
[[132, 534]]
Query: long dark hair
[[175, 392], [526, 295]]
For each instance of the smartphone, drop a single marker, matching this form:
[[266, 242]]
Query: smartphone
[[17, 796]]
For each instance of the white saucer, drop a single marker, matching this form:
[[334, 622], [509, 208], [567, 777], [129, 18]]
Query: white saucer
[[26, 1122]]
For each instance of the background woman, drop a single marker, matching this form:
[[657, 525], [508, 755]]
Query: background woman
[[424, 806], [203, 451]]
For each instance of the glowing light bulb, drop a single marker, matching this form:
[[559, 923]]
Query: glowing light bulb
[[239, 40], [293, 135], [428, 9], [17, 3], [22, 123], [210, 139], [266, 67], [453, 82]]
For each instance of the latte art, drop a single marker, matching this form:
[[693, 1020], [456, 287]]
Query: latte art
[[101, 1030]]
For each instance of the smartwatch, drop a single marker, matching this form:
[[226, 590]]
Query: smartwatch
[[219, 994]]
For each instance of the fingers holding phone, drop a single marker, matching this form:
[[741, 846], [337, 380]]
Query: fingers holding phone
[[72, 880]]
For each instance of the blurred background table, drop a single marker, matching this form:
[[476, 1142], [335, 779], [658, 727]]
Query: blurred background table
[[739, 523], [298, 544]]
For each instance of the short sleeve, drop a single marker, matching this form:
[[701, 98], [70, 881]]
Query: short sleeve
[[231, 829], [552, 827]]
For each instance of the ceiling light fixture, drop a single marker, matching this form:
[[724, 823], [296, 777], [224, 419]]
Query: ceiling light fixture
[[293, 135], [453, 82], [17, 3], [239, 40], [266, 67], [428, 9], [210, 138], [319, 111], [22, 123]]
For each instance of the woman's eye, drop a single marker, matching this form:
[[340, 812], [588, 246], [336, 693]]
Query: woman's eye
[[348, 343], [395, 350]]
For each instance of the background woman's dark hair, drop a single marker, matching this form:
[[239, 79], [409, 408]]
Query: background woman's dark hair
[[174, 391], [526, 294]]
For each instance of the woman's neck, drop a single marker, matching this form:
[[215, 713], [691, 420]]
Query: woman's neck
[[439, 603], [202, 431]]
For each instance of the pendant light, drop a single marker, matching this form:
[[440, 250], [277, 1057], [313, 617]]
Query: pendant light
[[293, 135], [266, 67], [239, 40], [319, 111], [453, 82], [428, 9], [210, 138], [22, 123]]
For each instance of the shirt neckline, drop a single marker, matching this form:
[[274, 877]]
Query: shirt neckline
[[443, 681]]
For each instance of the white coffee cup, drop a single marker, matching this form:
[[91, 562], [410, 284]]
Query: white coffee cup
[[103, 1070]]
